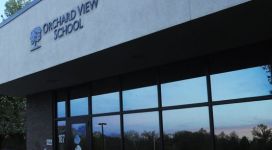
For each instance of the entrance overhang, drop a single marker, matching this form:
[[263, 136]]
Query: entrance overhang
[[227, 30]]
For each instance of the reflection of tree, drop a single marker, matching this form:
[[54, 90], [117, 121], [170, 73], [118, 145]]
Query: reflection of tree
[[268, 70], [111, 142], [200, 140], [262, 140], [147, 140], [188, 140], [262, 133]]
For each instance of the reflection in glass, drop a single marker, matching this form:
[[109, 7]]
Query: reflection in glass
[[187, 129], [140, 98], [106, 133], [79, 106], [184, 92], [105, 103], [243, 126], [61, 109], [242, 83], [79, 140], [142, 131], [61, 131]]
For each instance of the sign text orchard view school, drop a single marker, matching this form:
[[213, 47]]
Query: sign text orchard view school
[[63, 25], [70, 21]]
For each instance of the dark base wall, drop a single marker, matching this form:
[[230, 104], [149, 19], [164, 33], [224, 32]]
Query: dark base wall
[[39, 121]]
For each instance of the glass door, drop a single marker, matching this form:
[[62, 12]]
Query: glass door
[[79, 134]]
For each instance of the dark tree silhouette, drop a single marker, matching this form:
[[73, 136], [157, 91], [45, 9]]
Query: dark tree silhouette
[[268, 68], [244, 143], [12, 118], [188, 140], [262, 133]]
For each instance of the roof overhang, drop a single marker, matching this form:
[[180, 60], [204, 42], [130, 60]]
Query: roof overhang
[[225, 30]]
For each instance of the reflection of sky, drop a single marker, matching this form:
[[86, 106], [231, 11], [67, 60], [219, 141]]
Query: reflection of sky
[[141, 122], [61, 123], [105, 103], [61, 109], [242, 116], [140, 98], [184, 92], [79, 106], [192, 119], [111, 129], [238, 84], [79, 129], [240, 131]]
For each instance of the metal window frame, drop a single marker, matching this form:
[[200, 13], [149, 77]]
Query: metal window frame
[[209, 104]]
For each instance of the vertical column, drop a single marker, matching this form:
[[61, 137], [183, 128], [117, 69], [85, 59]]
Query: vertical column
[[68, 121], [90, 120], [160, 109], [208, 78], [54, 122], [121, 114]]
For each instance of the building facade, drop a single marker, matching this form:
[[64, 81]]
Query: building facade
[[141, 75]]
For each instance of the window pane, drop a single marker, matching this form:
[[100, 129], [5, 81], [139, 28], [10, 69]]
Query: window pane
[[242, 83], [237, 125], [79, 106], [61, 131], [187, 129], [142, 131], [79, 136], [184, 92], [111, 131], [140, 98], [105, 103], [61, 109]]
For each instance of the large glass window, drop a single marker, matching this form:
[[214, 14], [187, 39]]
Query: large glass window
[[61, 134], [61, 109], [79, 106], [244, 126], [142, 131], [238, 126], [242, 83], [184, 92], [105, 103], [187, 129], [141, 98], [107, 133]]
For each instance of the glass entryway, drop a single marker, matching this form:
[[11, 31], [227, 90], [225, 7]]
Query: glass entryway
[[79, 134]]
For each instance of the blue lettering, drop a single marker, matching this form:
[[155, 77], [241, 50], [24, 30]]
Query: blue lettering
[[80, 9]]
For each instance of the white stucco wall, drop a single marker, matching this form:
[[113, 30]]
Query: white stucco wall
[[112, 23]]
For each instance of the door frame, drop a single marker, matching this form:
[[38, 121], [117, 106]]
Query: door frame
[[78, 120]]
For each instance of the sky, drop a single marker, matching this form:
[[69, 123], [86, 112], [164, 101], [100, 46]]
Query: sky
[[2, 6]]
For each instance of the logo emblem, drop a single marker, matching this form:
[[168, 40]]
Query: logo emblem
[[77, 139], [35, 37]]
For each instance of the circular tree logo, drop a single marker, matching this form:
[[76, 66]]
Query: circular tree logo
[[35, 37]]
